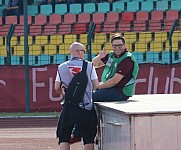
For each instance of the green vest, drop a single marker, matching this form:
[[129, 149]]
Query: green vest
[[111, 67]]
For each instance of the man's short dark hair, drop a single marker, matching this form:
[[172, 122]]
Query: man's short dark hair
[[118, 36]]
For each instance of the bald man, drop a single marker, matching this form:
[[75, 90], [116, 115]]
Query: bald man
[[76, 114]]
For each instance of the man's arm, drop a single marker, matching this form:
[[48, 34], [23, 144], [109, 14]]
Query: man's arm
[[95, 84], [58, 88], [97, 60], [111, 82]]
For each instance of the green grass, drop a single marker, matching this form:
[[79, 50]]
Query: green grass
[[31, 114]]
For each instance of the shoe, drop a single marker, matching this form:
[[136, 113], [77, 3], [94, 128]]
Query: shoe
[[75, 139]]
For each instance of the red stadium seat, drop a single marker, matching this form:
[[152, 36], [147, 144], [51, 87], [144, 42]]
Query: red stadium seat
[[98, 17], [35, 30], [80, 28], [50, 29], [21, 22], [11, 20], [157, 15], [65, 29], [155, 25], [139, 25], [142, 15], [1, 21], [4, 30], [40, 19], [124, 26], [83, 18], [128, 16], [69, 18], [19, 30], [55, 19], [172, 15], [112, 17], [109, 27]]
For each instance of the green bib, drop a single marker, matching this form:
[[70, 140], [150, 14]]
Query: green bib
[[111, 67]]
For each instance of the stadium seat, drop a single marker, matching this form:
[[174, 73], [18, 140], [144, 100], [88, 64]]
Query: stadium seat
[[168, 25], [65, 29], [124, 26], [75, 8], [96, 48], [1, 21], [133, 6], [128, 16], [55, 19], [69, 18], [141, 46], [50, 30], [4, 30], [14, 41], [130, 37], [32, 10], [21, 22], [19, 50], [56, 39], [50, 49], [59, 58], [35, 30], [175, 5], [157, 15], [176, 36], [30, 40], [35, 49], [100, 38], [83, 38], [175, 46], [3, 51], [89, 8], [43, 59], [61, 9], [19, 30], [109, 27], [172, 14], [41, 39], [112, 17], [32, 60], [162, 5], [103, 7], [165, 57], [138, 56], [46, 10], [98, 17], [11, 20], [155, 25], [64, 48], [15, 60], [142, 16], [160, 36], [156, 46], [145, 37], [147, 6], [83, 18], [139, 25], [152, 57], [108, 46], [1, 60], [80, 28], [69, 39], [1, 41], [40, 20], [118, 6]]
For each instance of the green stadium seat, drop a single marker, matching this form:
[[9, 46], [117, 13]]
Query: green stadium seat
[[61, 9], [165, 57], [75, 8], [15, 60], [162, 5], [32, 10], [118, 6], [103, 7], [32, 60], [152, 57], [175, 5], [59, 58], [43, 59], [46, 10], [138, 56], [89, 8], [147, 6], [1, 60], [133, 6]]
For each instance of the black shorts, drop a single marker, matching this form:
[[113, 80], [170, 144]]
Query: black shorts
[[88, 132]]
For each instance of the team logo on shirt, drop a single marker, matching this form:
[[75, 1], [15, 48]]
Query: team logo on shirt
[[74, 69]]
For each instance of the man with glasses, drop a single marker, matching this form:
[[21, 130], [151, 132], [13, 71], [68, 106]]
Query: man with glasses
[[84, 115]]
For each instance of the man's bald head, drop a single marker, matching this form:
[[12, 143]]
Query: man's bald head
[[76, 46]]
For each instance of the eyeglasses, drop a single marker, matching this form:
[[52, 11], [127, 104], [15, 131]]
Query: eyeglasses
[[117, 45], [81, 50]]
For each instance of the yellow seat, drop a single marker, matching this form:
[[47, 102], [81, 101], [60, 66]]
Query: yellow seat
[[174, 46], [1, 40], [83, 38], [176, 36], [108, 47], [129, 46], [14, 41], [35, 49], [156, 46], [56, 39], [140, 47], [41, 39], [19, 50], [160, 36], [130, 37], [3, 51], [50, 49], [96, 48], [64, 48], [145, 37], [100, 38], [70, 38], [30, 41]]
